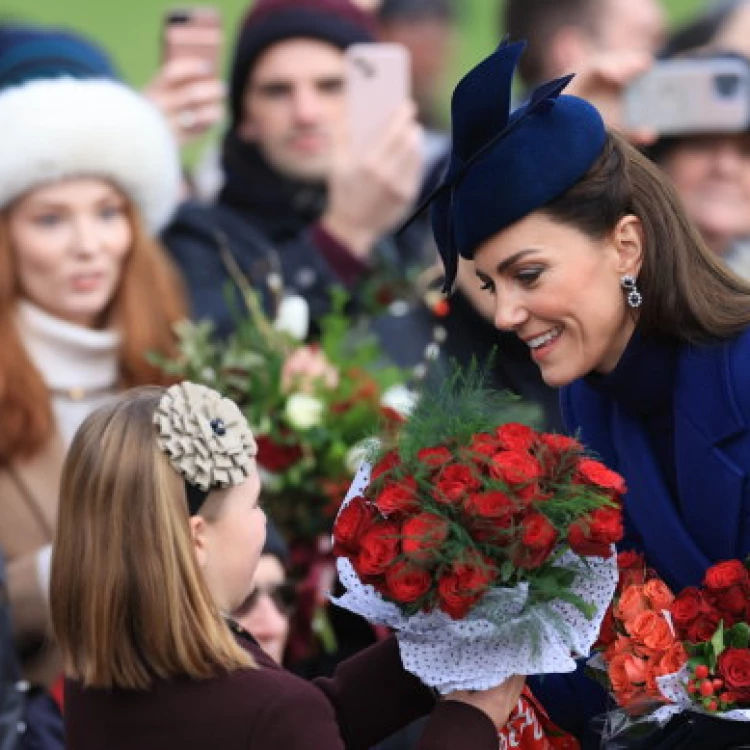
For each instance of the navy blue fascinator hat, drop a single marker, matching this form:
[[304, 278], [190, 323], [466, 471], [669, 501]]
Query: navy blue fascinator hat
[[505, 165]]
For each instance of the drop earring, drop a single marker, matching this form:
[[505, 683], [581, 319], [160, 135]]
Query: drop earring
[[632, 295]]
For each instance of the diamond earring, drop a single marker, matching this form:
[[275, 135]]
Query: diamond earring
[[632, 295]]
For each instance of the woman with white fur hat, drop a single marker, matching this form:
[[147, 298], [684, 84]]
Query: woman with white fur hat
[[89, 174]]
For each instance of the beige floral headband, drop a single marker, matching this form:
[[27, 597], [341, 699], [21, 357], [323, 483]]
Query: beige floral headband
[[205, 436]]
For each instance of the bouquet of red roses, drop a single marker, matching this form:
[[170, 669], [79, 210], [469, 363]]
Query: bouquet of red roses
[[664, 655], [483, 542]]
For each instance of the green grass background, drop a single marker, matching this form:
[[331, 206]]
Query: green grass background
[[129, 29]]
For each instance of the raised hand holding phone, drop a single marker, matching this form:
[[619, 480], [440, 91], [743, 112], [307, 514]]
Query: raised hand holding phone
[[187, 87], [378, 157]]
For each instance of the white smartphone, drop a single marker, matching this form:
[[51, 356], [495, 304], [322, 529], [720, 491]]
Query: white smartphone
[[378, 82], [691, 95]]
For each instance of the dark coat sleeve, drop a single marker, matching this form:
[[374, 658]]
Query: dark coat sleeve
[[369, 697], [195, 239]]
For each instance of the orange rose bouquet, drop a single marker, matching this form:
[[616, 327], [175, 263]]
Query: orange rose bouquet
[[664, 654], [485, 544]]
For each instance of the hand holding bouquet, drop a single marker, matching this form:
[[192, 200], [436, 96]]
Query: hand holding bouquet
[[485, 544]]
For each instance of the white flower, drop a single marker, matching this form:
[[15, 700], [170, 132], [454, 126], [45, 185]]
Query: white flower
[[293, 317], [400, 399], [303, 411]]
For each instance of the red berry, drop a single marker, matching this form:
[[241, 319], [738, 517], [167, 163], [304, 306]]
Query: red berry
[[712, 706], [725, 697], [692, 688], [441, 308], [717, 683], [706, 688], [701, 672]]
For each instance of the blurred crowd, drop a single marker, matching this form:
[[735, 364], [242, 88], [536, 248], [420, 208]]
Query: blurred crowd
[[107, 240]]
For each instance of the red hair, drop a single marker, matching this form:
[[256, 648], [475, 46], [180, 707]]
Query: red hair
[[147, 304]]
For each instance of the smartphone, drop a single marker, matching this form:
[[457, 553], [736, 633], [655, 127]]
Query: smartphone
[[691, 95], [193, 32], [378, 82]]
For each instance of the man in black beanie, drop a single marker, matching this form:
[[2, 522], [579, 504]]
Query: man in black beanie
[[297, 205]]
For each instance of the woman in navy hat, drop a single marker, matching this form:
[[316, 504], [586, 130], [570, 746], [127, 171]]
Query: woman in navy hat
[[593, 264]]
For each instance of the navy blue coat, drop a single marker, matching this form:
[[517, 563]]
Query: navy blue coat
[[711, 522], [711, 410]]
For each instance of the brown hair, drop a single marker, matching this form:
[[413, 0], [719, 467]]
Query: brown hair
[[128, 600], [688, 293], [148, 302]]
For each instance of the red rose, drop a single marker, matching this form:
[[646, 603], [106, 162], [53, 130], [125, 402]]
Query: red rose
[[406, 582], [484, 444], [351, 523], [732, 602], [515, 468], [398, 497], [454, 482], [516, 437], [703, 628], [560, 443], [607, 632], [734, 667], [537, 542], [686, 607], [461, 588], [276, 457], [435, 457], [490, 505], [726, 574], [593, 535], [378, 547], [594, 472], [422, 535], [632, 569], [387, 463]]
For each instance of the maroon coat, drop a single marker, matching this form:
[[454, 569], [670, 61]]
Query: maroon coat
[[369, 697]]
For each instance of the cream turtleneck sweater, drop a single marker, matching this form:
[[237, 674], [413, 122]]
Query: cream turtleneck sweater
[[78, 365]]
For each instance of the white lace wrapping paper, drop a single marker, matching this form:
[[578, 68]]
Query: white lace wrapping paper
[[500, 637]]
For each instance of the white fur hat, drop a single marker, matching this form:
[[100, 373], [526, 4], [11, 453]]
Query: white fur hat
[[65, 127]]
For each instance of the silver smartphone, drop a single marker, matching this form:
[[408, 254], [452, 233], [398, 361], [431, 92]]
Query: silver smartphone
[[691, 95]]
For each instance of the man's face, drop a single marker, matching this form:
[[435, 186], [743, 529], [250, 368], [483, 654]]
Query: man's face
[[293, 106], [631, 25]]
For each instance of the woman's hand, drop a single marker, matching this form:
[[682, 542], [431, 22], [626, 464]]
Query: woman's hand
[[498, 702]]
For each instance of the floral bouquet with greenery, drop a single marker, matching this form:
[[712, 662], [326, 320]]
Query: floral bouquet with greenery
[[486, 545], [677, 666], [310, 406]]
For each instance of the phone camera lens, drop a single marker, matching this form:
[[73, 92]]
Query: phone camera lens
[[365, 67], [727, 84]]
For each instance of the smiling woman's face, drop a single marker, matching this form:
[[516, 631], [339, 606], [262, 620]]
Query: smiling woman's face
[[559, 290]]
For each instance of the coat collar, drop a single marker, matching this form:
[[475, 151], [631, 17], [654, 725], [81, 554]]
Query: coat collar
[[714, 410], [681, 539]]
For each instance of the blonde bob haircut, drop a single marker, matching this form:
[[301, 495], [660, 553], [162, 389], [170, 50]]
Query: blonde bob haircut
[[128, 600]]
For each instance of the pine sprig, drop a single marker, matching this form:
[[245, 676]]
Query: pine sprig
[[451, 412]]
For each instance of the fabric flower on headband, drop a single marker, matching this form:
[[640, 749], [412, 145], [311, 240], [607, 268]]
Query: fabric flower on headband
[[205, 436]]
